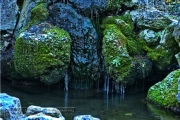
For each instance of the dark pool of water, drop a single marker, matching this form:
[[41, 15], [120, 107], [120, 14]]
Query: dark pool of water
[[98, 104]]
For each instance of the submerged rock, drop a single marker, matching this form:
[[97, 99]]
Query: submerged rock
[[41, 116], [40, 50], [85, 117], [164, 93], [35, 111], [10, 107]]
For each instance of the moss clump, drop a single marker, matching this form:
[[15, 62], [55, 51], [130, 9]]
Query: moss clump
[[38, 14], [134, 45], [160, 55], [164, 93], [46, 49]]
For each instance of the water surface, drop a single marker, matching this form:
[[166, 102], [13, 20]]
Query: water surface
[[98, 104]]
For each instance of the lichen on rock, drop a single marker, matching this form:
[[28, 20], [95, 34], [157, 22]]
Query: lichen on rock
[[41, 49]]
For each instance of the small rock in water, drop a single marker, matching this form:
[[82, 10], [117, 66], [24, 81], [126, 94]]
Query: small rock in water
[[128, 114], [85, 117]]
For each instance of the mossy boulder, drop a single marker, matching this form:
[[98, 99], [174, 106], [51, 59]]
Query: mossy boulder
[[122, 50], [41, 49], [117, 59], [164, 93]]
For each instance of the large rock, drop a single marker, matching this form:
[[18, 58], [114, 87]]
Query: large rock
[[35, 111], [121, 50], [150, 19], [42, 51], [117, 60], [9, 13], [85, 59], [10, 107], [164, 93]]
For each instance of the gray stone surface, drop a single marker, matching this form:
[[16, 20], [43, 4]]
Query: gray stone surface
[[85, 59], [150, 19], [150, 36], [9, 15]]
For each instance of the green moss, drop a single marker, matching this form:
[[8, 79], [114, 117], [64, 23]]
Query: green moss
[[117, 59], [38, 14], [119, 43], [164, 93], [125, 27], [36, 56], [134, 45], [160, 55]]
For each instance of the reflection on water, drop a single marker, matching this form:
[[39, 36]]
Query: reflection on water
[[98, 104]]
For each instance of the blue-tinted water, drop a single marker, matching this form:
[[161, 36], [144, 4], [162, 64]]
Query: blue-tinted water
[[98, 104]]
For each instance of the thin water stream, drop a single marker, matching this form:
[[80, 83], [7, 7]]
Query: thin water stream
[[129, 106]]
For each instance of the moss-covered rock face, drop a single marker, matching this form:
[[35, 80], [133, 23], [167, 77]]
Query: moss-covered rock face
[[164, 93], [41, 49], [39, 13], [119, 44], [117, 60]]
